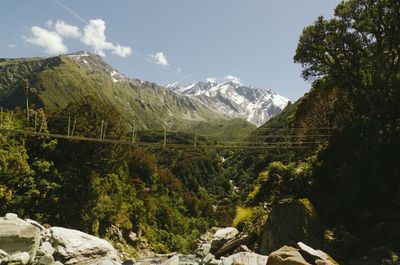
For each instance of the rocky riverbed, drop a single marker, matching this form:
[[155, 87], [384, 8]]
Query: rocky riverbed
[[28, 242]]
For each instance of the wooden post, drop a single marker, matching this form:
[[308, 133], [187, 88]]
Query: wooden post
[[195, 140], [104, 130], [10, 122], [73, 128], [35, 121], [101, 128], [165, 136], [69, 125]]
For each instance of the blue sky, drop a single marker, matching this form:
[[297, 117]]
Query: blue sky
[[166, 41]]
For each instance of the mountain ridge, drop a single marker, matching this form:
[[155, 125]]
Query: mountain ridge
[[60, 80], [234, 99]]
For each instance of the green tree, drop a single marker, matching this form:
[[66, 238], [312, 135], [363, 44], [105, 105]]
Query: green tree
[[358, 50]]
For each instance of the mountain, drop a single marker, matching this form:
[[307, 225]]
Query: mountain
[[60, 80], [234, 99]]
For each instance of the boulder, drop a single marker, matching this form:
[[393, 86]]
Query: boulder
[[221, 236], [3, 257], [286, 256], [230, 246], [19, 258], [45, 249], [76, 247], [247, 258], [46, 260], [289, 222], [18, 236], [315, 256], [174, 260]]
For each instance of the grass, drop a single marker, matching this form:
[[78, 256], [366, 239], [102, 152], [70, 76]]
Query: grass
[[242, 214]]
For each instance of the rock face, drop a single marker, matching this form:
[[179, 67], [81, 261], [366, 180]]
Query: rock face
[[28, 242], [289, 222], [286, 256], [18, 236], [245, 258], [302, 255], [74, 246]]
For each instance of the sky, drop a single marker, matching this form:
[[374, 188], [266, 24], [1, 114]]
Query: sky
[[166, 41]]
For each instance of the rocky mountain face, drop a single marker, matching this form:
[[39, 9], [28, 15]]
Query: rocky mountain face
[[60, 80], [234, 99]]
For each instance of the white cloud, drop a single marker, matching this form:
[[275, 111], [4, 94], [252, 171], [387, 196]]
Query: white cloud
[[179, 70], [159, 58], [233, 79], [66, 30], [94, 36], [12, 46], [49, 40]]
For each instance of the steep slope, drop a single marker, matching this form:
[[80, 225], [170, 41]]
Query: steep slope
[[235, 99], [63, 79]]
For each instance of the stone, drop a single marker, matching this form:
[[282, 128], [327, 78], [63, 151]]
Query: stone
[[286, 256], [242, 248], [226, 233], [208, 258], [45, 249], [289, 222], [315, 256], [229, 246], [34, 223], [46, 260], [221, 236], [247, 258], [3, 257], [174, 260], [18, 236], [19, 258], [73, 247], [11, 216], [203, 250], [133, 237]]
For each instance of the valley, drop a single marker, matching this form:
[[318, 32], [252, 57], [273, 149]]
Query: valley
[[98, 168]]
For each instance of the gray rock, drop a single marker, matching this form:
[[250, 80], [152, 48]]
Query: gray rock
[[221, 236], [45, 249], [18, 236], [34, 223], [289, 222], [46, 260], [11, 216], [128, 262], [207, 259], [3, 257], [242, 248], [174, 260], [315, 256], [286, 256], [19, 258], [245, 258], [76, 247]]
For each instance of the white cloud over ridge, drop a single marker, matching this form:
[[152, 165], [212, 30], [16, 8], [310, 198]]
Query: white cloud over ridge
[[66, 30], [93, 36], [159, 58], [51, 41]]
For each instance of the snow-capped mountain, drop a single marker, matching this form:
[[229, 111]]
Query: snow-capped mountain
[[233, 98]]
